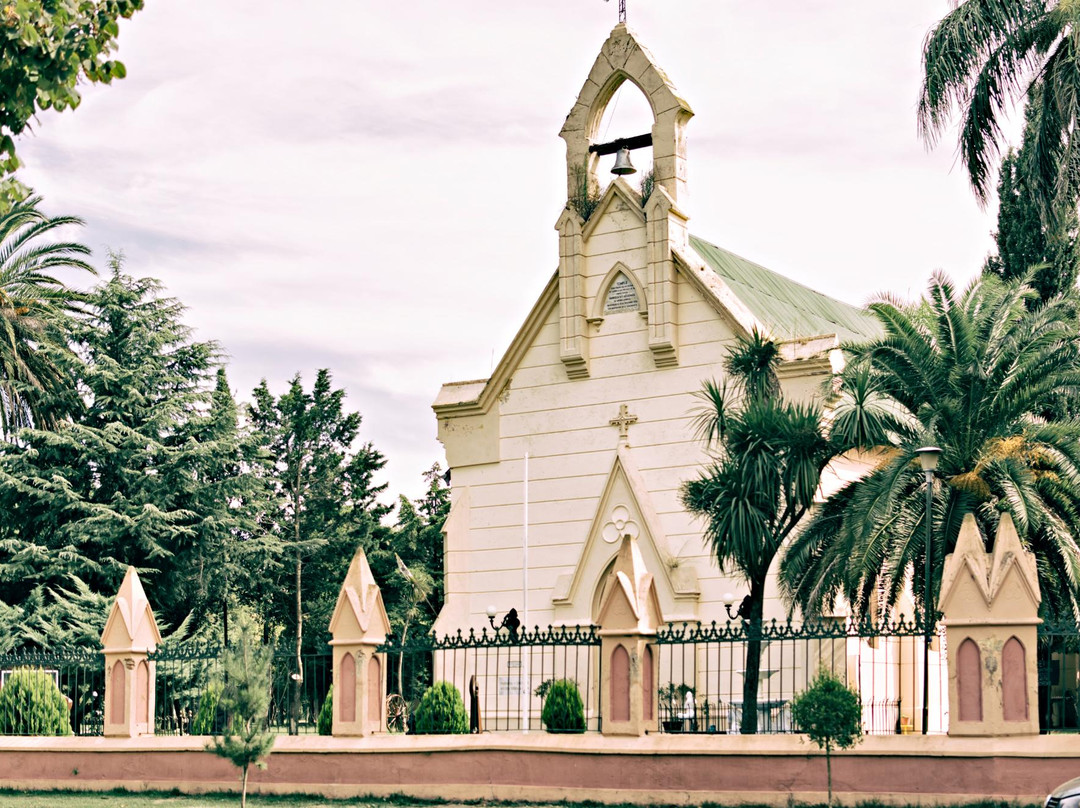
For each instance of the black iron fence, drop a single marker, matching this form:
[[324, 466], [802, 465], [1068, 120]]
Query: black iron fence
[[703, 670], [502, 676], [80, 675], [1059, 677], [187, 687]]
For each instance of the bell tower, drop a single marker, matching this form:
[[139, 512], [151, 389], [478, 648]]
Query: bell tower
[[623, 58], [662, 222]]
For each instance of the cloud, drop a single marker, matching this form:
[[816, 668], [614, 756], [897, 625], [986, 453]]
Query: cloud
[[373, 187]]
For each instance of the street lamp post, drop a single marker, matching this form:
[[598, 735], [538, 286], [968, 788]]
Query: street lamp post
[[928, 459]]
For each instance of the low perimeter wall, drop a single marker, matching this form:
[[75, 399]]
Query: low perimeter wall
[[654, 769]]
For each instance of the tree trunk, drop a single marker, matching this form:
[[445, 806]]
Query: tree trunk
[[225, 598], [243, 788], [748, 725], [298, 677], [401, 661], [828, 769]]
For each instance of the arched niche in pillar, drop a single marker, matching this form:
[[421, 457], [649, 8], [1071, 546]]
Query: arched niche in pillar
[[142, 692], [648, 684], [347, 697], [374, 683], [969, 685], [1014, 699], [117, 689], [620, 684]]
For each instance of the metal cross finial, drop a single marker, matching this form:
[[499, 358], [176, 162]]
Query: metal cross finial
[[622, 10], [624, 421]]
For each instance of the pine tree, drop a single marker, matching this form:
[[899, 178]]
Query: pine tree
[[321, 503], [245, 699], [417, 539], [1024, 243], [120, 482], [230, 550]]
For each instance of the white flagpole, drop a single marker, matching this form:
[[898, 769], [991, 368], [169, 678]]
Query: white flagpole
[[526, 703]]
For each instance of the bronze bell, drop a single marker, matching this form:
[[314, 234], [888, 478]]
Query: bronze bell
[[622, 163]]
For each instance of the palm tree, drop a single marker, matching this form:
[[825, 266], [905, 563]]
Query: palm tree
[[34, 307], [977, 374], [985, 56], [768, 455]]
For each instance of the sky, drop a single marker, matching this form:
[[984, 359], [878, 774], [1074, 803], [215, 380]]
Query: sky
[[372, 187]]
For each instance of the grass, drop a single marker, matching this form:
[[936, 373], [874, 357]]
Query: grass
[[160, 799]]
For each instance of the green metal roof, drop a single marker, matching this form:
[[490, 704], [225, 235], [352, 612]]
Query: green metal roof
[[789, 309]]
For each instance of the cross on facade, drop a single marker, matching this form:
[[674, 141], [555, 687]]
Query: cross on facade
[[623, 422]]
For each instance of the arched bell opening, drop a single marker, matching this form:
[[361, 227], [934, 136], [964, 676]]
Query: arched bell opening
[[623, 117]]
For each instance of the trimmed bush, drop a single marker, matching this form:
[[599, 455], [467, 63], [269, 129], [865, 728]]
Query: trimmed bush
[[326, 714], [830, 713], [441, 711], [204, 722], [563, 709], [32, 704]]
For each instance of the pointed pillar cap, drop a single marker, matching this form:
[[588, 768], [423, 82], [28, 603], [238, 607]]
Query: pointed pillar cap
[[630, 601], [360, 615], [131, 625]]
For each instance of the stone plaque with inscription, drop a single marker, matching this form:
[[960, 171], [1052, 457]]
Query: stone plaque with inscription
[[621, 296]]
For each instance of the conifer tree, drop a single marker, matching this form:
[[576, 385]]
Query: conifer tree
[[321, 503], [1024, 243], [418, 540], [118, 484], [230, 550], [245, 699]]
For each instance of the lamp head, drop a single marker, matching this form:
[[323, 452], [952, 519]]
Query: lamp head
[[728, 598], [928, 457], [491, 612]]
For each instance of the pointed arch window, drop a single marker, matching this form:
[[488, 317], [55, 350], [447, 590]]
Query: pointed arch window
[[620, 291]]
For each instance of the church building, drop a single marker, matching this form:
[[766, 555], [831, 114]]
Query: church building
[[583, 434]]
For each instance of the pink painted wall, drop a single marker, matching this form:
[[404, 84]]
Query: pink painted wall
[[497, 764]]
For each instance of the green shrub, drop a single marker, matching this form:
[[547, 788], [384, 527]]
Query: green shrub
[[563, 709], [204, 722], [31, 704], [326, 714], [441, 711]]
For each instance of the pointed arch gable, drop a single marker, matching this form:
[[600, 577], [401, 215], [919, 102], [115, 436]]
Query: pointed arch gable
[[599, 304], [575, 593], [617, 189]]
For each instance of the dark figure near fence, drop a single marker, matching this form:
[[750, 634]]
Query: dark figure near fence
[[476, 726]]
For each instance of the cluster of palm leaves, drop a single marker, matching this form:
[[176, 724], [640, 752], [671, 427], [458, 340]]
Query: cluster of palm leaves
[[990, 374], [768, 457], [36, 305], [989, 378], [983, 58]]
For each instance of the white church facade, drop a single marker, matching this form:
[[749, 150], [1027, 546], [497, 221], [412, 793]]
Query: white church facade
[[582, 434]]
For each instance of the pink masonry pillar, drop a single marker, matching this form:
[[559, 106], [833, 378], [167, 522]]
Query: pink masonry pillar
[[991, 606], [358, 627], [130, 635], [629, 617]]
